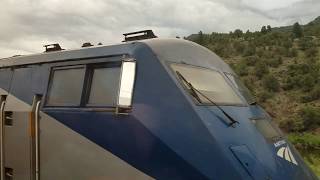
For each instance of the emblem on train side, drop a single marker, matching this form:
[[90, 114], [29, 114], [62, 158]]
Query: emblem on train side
[[279, 143], [285, 153]]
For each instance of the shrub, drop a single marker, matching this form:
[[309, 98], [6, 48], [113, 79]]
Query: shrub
[[261, 69], [313, 95], [311, 52], [249, 83], [260, 52], [305, 43], [292, 125], [310, 117], [241, 69], [275, 62], [298, 69], [305, 141], [239, 47], [270, 83], [263, 96], [282, 51], [251, 60], [250, 50], [307, 82], [293, 52], [287, 43]]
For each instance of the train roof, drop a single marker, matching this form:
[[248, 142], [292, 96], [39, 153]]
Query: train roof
[[183, 51], [175, 50]]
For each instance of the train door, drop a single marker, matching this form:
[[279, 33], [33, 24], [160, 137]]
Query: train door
[[19, 146]]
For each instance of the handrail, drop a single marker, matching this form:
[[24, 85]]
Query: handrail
[[37, 155], [2, 139]]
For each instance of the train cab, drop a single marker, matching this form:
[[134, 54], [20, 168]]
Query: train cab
[[148, 108]]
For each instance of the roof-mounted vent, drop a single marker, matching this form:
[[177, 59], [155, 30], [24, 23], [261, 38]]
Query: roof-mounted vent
[[52, 47], [87, 44], [139, 35]]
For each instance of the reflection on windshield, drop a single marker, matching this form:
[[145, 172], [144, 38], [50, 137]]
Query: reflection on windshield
[[210, 83], [241, 87], [266, 128]]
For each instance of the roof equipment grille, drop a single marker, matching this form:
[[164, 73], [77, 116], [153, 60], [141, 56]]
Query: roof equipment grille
[[52, 47], [139, 35]]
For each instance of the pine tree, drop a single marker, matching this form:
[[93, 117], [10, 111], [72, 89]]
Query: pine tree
[[297, 30], [200, 39], [269, 28], [264, 30]]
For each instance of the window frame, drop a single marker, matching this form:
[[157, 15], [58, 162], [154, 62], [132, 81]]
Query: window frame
[[227, 74], [185, 88], [280, 135], [86, 86], [52, 72]]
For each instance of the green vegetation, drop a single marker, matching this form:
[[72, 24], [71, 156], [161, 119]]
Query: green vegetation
[[309, 147], [281, 66]]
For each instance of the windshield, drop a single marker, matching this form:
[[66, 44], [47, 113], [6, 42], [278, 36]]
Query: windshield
[[209, 82], [267, 129], [241, 87]]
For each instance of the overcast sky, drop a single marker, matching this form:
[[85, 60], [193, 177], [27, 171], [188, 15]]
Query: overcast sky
[[26, 25]]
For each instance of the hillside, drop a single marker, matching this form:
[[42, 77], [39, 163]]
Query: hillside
[[281, 66]]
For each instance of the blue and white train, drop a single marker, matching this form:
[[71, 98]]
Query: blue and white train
[[165, 109]]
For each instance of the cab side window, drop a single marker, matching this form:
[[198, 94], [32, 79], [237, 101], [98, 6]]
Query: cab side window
[[96, 85], [104, 86], [66, 86]]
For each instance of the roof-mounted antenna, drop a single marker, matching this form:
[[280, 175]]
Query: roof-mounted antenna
[[87, 44], [139, 35], [53, 47]]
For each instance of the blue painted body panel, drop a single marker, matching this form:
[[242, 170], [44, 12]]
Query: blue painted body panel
[[248, 161], [166, 136], [5, 79]]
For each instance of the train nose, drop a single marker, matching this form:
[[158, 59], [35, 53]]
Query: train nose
[[250, 149]]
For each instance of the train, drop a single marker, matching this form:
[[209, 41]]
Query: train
[[146, 108]]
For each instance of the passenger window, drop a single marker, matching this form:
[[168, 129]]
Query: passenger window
[[104, 87], [66, 87]]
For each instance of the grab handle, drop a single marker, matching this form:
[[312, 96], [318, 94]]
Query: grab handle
[[2, 139], [37, 155]]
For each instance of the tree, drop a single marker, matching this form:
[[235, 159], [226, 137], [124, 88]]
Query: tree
[[247, 34], [200, 39], [269, 28], [297, 30], [264, 30], [237, 33]]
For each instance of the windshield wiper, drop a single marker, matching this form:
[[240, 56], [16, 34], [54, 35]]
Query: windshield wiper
[[253, 103], [194, 92]]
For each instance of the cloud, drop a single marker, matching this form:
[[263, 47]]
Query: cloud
[[29, 24]]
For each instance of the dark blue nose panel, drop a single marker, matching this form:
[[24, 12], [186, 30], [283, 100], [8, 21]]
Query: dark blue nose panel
[[249, 162]]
